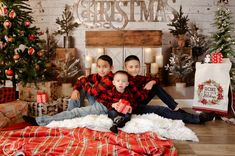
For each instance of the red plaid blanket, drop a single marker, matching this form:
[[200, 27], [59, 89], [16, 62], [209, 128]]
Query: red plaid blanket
[[39, 141]]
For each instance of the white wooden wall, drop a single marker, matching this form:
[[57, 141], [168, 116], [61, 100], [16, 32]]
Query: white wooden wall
[[199, 11]]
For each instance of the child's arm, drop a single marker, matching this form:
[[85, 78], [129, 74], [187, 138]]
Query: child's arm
[[99, 87], [150, 84]]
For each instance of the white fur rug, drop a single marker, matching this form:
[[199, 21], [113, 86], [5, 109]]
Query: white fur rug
[[167, 128]]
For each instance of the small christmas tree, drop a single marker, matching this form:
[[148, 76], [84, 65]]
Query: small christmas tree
[[21, 56], [222, 40]]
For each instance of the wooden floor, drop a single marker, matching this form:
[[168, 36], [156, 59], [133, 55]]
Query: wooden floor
[[216, 138]]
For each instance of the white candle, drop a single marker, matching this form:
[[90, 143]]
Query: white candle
[[159, 61], [148, 55], [159, 51], [154, 68], [88, 61], [100, 51], [93, 68]]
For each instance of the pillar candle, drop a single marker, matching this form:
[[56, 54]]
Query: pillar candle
[[100, 51], [159, 61], [154, 68], [159, 51], [93, 68], [148, 55], [88, 61]]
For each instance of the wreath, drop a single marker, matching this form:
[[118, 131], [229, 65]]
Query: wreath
[[213, 99]]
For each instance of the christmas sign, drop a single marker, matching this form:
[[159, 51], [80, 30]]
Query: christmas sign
[[212, 86]]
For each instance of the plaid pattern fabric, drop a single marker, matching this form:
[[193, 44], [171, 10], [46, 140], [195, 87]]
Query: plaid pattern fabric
[[37, 140], [7, 94], [140, 81], [131, 94]]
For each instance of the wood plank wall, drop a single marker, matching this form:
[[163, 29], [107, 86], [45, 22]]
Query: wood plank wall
[[127, 38]]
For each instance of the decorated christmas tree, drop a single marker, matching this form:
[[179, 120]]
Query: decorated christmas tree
[[21, 55], [222, 40]]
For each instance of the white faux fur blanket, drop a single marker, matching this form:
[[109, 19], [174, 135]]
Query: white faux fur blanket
[[167, 128]]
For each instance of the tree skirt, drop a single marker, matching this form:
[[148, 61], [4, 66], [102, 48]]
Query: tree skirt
[[167, 128]]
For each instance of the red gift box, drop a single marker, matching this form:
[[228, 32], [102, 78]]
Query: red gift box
[[42, 97], [216, 57], [7, 94], [123, 106]]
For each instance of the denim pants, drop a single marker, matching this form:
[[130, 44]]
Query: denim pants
[[97, 108], [78, 103], [162, 94], [168, 113]]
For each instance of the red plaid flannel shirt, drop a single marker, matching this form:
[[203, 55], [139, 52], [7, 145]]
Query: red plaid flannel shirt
[[95, 85], [140, 81], [131, 94]]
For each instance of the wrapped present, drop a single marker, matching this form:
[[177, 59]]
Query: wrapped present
[[40, 109], [12, 112], [123, 106], [7, 94], [42, 97], [216, 57], [29, 92], [63, 104]]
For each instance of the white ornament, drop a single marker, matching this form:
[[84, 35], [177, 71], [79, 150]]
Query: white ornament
[[207, 58]]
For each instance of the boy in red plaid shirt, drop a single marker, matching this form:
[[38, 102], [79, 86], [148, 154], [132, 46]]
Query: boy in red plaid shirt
[[83, 87], [132, 66], [123, 100]]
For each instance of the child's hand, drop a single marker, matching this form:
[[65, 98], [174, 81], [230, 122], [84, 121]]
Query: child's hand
[[75, 95], [149, 85], [81, 77], [114, 105]]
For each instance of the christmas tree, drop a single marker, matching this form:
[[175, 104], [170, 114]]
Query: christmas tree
[[21, 55], [222, 40]]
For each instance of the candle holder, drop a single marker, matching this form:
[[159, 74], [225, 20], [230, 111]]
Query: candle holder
[[87, 71], [148, 66]]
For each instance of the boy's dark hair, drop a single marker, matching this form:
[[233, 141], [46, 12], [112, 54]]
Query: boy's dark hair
[[131, 57], [121, 72], [106, 58]]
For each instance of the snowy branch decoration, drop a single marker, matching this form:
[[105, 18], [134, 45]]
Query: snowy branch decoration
[[180, 65]]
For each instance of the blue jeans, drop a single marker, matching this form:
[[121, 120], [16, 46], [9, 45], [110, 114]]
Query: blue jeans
[[97, 108], [162, 94], [168, 113], [78, 103]]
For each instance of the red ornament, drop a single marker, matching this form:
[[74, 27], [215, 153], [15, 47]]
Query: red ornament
[[3, 10], [27, 24], [31, 51], [31, 37], [16, 56], [40, 53], [7, 24], [9, 72], [12, 14]]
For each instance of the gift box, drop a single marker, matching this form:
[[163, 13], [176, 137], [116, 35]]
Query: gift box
[[29, 91], [216, 57], [7, 94], [123, 106], [39, 109], [12, 112], [63, 104]]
